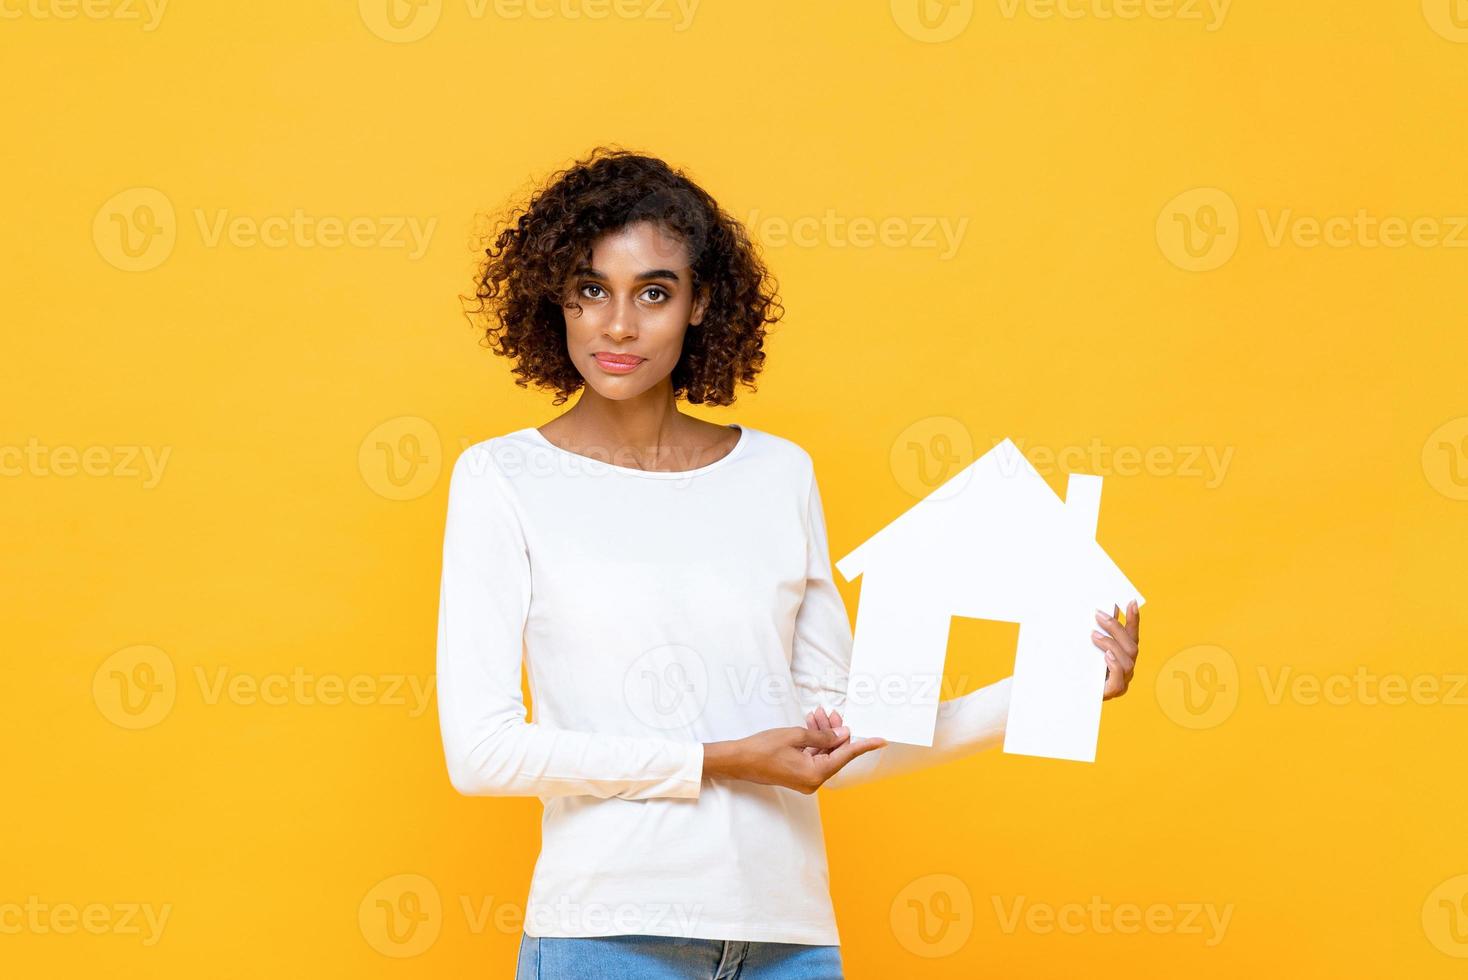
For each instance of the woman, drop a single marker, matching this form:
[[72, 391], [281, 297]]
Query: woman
[[670, 582]]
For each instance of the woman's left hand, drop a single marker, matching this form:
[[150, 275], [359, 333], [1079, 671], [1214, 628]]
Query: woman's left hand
[[1119, 643]]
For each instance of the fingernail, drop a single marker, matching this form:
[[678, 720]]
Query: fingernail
[[842, 732]]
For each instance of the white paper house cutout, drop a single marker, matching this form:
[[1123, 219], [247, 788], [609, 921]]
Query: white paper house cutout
[[992, 542]]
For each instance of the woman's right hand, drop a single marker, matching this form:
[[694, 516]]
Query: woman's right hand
[[778, 756]]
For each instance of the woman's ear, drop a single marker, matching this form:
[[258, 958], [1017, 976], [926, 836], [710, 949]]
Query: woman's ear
[[700, 306]]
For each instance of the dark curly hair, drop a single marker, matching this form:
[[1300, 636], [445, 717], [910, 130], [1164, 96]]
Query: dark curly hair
[[520, 286]]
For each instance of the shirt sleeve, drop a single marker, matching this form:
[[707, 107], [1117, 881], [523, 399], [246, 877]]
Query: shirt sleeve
[[484, 599], [821, 663]]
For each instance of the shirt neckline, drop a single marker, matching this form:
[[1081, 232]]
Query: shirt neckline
[[539, 437]]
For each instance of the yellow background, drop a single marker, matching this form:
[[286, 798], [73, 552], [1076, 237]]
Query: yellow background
[[282, 539]]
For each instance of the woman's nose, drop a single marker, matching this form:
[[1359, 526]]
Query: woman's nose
[[624, 320]]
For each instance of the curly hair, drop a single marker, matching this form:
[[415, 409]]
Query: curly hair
[[521, 283]]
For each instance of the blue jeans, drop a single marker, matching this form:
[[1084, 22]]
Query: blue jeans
[[670, 958]]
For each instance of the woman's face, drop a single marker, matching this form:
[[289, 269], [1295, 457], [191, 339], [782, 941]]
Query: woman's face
[[637, 302]]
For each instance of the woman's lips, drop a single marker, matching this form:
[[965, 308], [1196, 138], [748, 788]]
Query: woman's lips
[[618, 363]]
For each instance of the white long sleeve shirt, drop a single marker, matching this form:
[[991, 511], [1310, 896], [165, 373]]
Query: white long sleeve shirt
[[654, 611]]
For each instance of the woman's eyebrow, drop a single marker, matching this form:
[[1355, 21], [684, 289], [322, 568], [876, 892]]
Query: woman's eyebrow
[[588, 271]]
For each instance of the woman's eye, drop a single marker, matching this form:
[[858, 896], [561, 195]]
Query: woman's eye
[[590, 285], [655, 289]]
